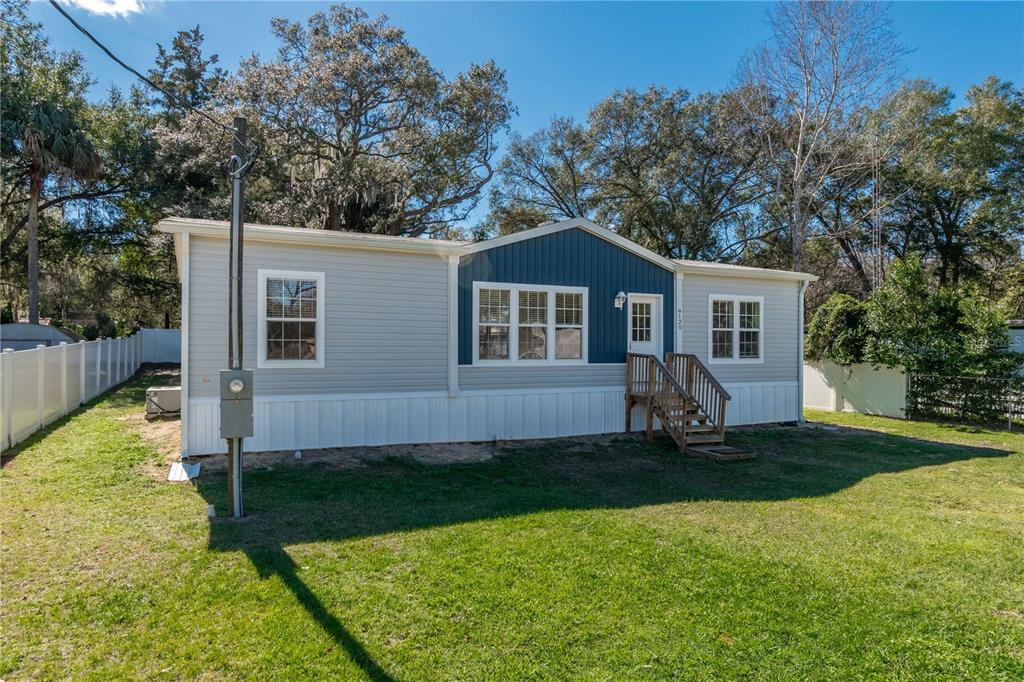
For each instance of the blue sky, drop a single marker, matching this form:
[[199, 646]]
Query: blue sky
[[560, 58]]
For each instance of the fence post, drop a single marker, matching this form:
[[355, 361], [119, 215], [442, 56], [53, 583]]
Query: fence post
[[81, 372], [110, 367], [64, 377], [40, 385], [8, 395], [99, 363]]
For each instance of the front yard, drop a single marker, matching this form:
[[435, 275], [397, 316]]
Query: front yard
[[893, 551]]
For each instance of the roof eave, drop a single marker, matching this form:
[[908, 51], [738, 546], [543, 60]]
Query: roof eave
[[725, 270], [292, 235]]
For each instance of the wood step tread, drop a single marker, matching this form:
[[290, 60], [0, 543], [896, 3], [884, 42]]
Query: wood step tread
[[720, 453], [704, 440]]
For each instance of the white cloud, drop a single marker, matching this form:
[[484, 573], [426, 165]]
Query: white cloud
[[113, 8]]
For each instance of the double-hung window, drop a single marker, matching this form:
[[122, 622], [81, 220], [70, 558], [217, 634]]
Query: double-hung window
[[568, 325], [290, 323], [529, 324], [735, 331]]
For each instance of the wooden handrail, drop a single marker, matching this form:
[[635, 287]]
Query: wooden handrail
[[703, 368], [709, 395], [671, 379]]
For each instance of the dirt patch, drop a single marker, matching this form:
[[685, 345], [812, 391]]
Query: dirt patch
[[164, 435], [353, 457], [429, 453]]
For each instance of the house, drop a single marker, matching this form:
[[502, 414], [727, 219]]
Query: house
[[361, 339]]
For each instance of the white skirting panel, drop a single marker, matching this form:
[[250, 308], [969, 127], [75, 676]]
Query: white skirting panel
[[762, 402], [308, 422]]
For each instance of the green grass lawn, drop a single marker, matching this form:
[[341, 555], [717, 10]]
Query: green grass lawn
[[894, 551]]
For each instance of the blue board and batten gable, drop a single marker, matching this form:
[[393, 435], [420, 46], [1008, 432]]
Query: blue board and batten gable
[[570, 257]]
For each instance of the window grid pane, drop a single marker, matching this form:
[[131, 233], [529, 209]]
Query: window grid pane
[[750, 315], [533, 343], [569, 343], [533, 307], [495, 306], [722, 315], [569, 309], [749, 344], [494, 342], [641, 321], [721, 343]]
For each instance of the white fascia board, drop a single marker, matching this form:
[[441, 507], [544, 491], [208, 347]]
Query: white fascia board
[[581, 223], [300, 235], [692, 267]]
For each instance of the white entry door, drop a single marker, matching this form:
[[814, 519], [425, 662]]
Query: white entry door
[[644, 324]]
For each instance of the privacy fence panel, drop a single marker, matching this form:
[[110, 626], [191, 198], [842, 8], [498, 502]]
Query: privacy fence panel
[[160, 345], [42, 384], [53, 376], [859, 388]]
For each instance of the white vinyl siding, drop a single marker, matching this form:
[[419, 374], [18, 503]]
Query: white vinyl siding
[[779, 325], [385, 319], [540, 376]]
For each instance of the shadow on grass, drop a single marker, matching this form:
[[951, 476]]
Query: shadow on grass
[[295, 504], [271, 561]]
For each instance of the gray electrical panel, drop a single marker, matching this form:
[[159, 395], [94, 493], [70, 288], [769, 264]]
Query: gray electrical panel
[[235, 403]]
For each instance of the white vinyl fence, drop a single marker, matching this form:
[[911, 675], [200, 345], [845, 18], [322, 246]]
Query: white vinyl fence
[[41, 385], [160, 345], [858, 388]]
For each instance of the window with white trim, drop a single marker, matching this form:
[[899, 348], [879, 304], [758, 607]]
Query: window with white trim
[[568, 326], [493, 323], [735, 331], [291, 316], [533, 325], [529, 324]]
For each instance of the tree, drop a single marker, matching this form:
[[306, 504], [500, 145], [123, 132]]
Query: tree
[[545, 176], [960, 191], [371, 136], [42, 130], [680, 176], [943, 331], [187, 73], [824, 62], [837, 331]]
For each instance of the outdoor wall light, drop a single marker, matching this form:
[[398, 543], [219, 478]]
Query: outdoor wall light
[[620, 300]]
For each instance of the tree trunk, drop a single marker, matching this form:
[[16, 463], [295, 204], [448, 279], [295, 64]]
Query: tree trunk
[[35, 189], [797, 228]]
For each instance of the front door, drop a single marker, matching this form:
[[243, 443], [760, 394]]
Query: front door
[[644, 324]]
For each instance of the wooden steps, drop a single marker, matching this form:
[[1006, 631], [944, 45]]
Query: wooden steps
[[686, 398]]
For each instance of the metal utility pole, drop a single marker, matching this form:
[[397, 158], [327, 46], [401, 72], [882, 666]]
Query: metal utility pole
[[236, 420]]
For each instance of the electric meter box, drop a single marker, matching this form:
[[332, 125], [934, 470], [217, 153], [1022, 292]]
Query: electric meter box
[[235, 403]]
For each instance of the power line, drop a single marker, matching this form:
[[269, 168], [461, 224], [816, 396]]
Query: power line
[[181, 102]]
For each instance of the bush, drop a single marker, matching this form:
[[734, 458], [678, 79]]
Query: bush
[[837, 332], [945, 331], [949, 332]]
